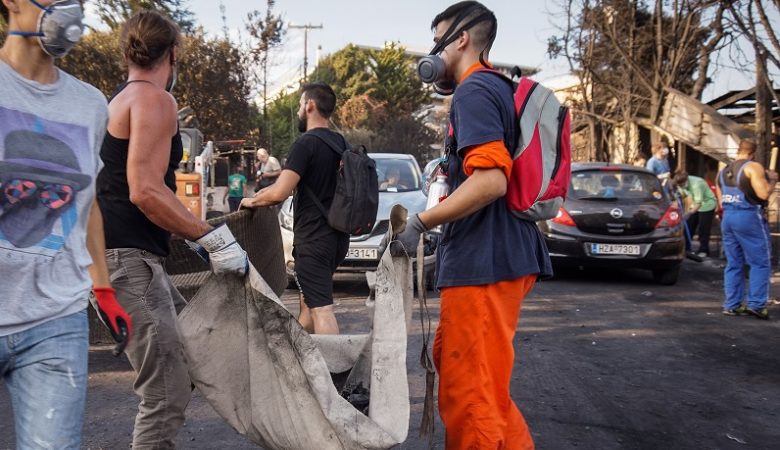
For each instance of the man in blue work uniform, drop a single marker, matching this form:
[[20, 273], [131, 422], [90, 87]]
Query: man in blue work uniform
[[743, 189]]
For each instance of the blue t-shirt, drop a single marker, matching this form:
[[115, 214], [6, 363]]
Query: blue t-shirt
[[658, 166], [490, 245]]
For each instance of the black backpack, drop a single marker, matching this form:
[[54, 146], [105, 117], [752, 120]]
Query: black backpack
[[356, 200]]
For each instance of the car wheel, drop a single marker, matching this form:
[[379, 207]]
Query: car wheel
[[667, 277]]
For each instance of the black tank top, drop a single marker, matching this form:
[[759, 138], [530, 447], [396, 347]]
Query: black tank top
[[732, 177], [125, 225]]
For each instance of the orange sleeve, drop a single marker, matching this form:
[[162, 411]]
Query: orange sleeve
[[491, 155]]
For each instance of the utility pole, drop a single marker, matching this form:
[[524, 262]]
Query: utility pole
[[763, 109], [305, 29]]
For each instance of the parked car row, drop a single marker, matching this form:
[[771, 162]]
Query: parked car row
[[614, 216]]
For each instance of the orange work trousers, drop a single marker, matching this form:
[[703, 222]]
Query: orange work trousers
[[474, 355]]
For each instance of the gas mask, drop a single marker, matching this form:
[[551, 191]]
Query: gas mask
[[59, 27], [432, 69]]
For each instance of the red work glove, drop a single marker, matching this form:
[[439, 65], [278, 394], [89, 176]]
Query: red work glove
[[114, 317]]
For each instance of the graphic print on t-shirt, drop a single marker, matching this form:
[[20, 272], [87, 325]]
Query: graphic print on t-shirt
[[41, 165]]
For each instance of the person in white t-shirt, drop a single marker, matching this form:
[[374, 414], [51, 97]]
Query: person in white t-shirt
[[268, 169], [51, 232]]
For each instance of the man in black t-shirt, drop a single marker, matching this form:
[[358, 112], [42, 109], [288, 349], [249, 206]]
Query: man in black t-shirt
[[312, 166]]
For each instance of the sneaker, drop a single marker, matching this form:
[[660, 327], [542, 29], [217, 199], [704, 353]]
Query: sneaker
[[693, 256], [762, 313], [740, 310], [702, 255]]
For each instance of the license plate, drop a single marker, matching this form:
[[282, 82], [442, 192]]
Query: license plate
[[614, 249], [362, 253]]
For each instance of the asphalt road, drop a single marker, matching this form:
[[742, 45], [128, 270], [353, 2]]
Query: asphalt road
[[606, 360]]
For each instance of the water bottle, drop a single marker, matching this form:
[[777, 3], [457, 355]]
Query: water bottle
[[437, 192]]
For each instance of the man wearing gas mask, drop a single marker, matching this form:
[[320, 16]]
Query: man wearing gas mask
[[136, 191], [51, 232], [488, 259]]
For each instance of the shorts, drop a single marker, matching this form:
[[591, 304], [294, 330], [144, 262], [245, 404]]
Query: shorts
[[315, 263]]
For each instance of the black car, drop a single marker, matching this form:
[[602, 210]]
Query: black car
[[617, 216]]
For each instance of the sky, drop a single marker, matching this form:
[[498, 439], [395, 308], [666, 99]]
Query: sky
[[522, 31], [524, 27]]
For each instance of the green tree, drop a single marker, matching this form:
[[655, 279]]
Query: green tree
[[282, 123], [378, 93], [212, 76], [396, 83], [348, 71], [213, 81], [266, 31], [114, 13], [96, 59]]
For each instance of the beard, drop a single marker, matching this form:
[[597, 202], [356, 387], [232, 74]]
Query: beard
[[302, 124]]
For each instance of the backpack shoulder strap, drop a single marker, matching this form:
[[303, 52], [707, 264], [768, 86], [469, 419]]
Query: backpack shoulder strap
[[513, 87], [316, 201], [496, 72], [317, 132]]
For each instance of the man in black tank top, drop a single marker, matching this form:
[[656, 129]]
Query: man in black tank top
[[125, 224], [318, 249], [136, 191]]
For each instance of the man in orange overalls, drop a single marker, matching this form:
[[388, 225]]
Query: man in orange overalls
[[488, 260]]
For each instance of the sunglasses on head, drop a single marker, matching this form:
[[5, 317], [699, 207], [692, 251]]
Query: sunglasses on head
[[52, 195]]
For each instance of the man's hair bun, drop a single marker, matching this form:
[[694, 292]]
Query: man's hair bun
[[147, 37]]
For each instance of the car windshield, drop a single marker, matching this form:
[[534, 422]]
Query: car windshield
[[613, 185], [397, 175]]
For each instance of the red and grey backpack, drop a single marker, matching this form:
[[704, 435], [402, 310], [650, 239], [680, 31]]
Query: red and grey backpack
[[541, 168]]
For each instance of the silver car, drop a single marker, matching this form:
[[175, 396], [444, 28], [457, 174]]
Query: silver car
[[400, 182]]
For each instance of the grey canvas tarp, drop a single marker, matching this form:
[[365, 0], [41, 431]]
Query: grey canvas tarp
[[270, 380]]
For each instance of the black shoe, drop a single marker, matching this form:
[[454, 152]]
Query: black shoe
[[693, 256], [762, 313], [740, 310]]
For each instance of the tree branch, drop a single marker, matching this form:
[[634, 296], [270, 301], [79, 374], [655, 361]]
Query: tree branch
[[767, 26]]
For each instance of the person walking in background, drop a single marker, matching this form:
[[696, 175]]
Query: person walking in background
[[743, 190], [702, 208], [488, 260], [51, 232], [136, 190], [235, 192], [268, 170]]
